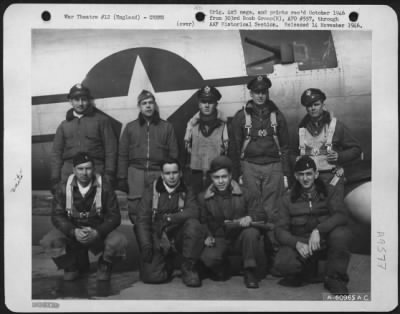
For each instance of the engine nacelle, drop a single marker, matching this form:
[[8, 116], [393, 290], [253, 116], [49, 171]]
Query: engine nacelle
[[358, 201]]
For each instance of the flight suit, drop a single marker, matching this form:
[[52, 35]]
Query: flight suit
[[262, 166], [142, 147], [158, 238], [206, 139], [60, 243], [314, 144], [92, 133], [299, 215], [216, 208]]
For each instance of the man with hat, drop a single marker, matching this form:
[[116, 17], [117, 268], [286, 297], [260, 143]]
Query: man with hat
[[326, 139], [262, 144], [229, 212], [206, 137], [312, 223], [168, 223], [85, 215], [144, 144], [85, 129]]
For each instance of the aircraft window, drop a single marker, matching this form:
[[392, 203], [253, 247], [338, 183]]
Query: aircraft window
[[311, 50]]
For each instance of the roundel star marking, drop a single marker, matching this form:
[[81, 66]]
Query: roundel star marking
[[116, 81]]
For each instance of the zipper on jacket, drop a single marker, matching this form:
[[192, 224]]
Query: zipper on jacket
[[148, 146], [309, 197], [79, 132]]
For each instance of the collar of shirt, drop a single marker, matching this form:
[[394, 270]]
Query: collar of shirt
[[77, 115], [169, 189], [84, 189]]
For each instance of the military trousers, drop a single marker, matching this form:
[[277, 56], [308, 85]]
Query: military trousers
[[186, 240], [265, 181], [198, 181], [67, 252], [138, 181], [336, 251], [246, 243]]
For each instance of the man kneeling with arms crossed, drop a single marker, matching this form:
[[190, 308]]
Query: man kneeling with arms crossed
[[85, 215], [312, 222], [229, 212]]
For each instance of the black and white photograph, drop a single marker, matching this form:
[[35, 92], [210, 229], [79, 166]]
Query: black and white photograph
[[207, 156]]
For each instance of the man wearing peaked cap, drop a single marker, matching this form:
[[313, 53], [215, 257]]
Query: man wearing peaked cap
[[85, 215], [209, 93], [227, 210], [144, 144], [312, 221], [261, 140], [311, 95], [259, 83], [326, 139], [85, 129], [206, 136]]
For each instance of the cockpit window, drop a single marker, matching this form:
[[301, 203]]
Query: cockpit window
[[311, 50]]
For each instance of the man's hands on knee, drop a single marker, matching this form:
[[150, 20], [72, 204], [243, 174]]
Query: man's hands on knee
[[85, 235], [303, 249], [314, 243], [209, 241]]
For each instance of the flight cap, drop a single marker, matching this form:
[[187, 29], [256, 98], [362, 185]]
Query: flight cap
[[79, 90], [209, 93], [304, 163], [81, 158], [144, 94], [312, 95], [220, 162], [259, 83]]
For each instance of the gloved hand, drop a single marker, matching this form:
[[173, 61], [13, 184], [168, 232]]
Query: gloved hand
[[147, 255], [122, 185]]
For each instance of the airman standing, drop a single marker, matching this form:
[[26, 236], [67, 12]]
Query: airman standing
[[84, 130], [206, 137], [262, 143], [144, 144], [325, 139]]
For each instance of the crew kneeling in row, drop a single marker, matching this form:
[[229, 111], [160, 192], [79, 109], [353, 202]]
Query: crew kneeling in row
[[229, 212], [312, 219], [85, 215]]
